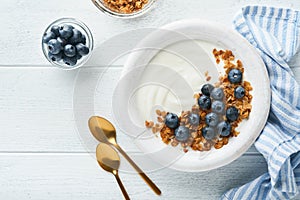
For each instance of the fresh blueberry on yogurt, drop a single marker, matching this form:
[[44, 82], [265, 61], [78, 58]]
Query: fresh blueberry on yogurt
[[217, 93], [235, 76], [218, 107], [239, 92], [204, 102], [206, 89], [182, 134], [232, 113], [208, 133], [224, 128], [194, 119], [172, 120], [212, 119]]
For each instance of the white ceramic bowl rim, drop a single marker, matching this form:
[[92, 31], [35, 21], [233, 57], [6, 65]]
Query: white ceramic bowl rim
[[256, 74]]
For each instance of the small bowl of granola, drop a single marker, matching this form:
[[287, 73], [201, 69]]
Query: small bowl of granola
[[124, 8]]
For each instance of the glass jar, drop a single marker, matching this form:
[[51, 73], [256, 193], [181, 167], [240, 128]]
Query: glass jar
[[79, 26], [105, 9]]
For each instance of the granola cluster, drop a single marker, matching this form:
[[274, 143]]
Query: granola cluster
[[125, 6], [196, 139]]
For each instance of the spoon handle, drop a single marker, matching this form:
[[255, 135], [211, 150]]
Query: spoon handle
[[122, 187], [141, 173]]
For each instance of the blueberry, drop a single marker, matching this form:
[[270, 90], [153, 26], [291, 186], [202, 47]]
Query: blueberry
[[235, 76], [224, 128], [54, 46], [208, 133], [232, 113], [76, 37], [172, 120], [48, 36], [217, 93], [239, 92], [204, 102], [62, 41], [69, 50], [83, 39], [82, 49], [206, 89], [55, 57], [212, 119], [182, 133], [78, 56], [218, 107], [194, 119], [66, 31], [55, 30], [71, 61]]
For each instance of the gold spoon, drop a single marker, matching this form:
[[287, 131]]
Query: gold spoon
[[105, 132], [109, 160]]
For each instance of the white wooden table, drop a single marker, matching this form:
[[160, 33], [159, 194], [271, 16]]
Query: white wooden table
[[41, 156]]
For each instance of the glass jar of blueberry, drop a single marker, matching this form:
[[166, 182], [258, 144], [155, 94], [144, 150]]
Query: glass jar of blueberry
[[67, 43]]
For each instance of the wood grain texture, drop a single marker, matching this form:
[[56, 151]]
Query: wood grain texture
[[23, 22], [41, 153], [77, 176], [37, 113]]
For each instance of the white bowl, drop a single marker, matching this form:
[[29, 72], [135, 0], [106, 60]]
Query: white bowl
[[141, 68]]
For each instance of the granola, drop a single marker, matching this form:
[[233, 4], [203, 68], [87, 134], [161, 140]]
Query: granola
[[125, 6], [204, 135]]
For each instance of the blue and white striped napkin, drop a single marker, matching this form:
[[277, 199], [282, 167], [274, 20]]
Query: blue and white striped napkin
[[274, 32]]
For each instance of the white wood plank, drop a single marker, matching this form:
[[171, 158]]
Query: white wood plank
[[76, 176], [36, 114], [23, 22]]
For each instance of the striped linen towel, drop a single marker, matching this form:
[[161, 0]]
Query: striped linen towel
[[274, 32]]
